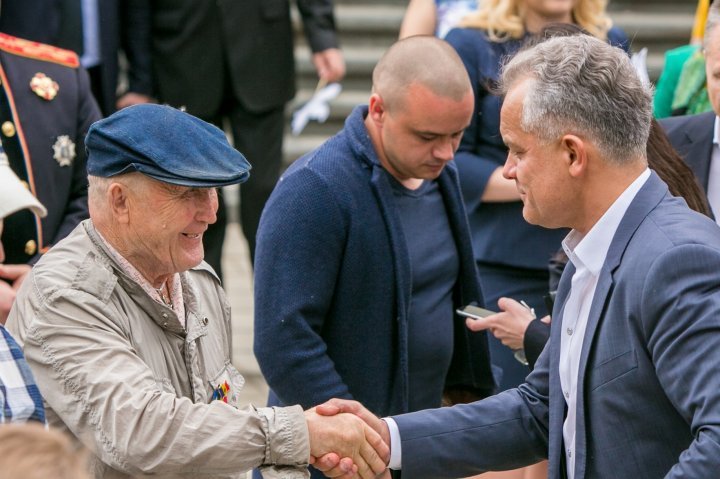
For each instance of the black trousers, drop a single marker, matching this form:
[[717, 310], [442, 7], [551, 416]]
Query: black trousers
[[258, 136]]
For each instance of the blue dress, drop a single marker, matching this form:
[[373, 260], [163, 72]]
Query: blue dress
[[512, 255], [450, 12]]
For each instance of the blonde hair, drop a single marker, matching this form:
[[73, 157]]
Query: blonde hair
[[29, 451], [504, 19]]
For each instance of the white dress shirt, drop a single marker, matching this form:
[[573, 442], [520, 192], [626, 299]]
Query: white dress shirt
[[588, 254], [91, 34], [713, 189]]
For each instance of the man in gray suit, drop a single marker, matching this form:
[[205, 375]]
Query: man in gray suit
[[627, 386], [695, 137]]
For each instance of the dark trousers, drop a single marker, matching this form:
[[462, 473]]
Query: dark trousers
[[259, 137], [528, 285]]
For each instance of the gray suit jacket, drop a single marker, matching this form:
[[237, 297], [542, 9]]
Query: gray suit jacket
[[692, 137], [650, 405]]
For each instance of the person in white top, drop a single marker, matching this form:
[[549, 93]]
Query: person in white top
[[627, 386]]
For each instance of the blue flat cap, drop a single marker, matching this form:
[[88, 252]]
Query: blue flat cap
[[165, 144]]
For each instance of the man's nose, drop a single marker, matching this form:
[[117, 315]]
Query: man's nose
[[208, 206], [509, 169], [444, 150]]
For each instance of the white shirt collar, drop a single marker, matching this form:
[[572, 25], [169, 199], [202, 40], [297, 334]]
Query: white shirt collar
[[590, 251]]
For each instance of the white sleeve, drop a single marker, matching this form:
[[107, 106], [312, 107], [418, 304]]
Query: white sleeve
[[395, 444]]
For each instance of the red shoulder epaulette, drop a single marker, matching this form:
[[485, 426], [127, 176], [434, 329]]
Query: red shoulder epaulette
[[38, 51]]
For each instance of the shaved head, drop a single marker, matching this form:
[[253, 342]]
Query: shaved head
[[423, 60]]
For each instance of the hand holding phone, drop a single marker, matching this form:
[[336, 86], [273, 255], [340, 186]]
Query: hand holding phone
[[474, 312]]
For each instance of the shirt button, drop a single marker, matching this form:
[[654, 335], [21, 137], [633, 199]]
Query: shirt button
[[567, 395], [164, 315], [569, 452], [569, 331], [205, 321], [30, 247], [8, 129], [165, 324]]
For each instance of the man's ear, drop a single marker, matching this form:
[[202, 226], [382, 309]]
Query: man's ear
[[376, 109], [575, 153], [118, 197]]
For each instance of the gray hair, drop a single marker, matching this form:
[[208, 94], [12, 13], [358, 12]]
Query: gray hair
[[98, 187], [584, 86], [713, 19]]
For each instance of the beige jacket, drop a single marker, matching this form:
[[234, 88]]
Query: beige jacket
[[119, 372]]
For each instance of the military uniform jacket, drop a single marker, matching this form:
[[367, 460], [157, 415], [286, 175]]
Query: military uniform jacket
[[46, 108]]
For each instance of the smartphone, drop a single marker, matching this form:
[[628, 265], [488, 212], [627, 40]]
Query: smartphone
[[474, 312]]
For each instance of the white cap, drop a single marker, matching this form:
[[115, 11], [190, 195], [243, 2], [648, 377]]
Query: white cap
[[13, 195]]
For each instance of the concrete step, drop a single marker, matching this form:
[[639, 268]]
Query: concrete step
[[361, 60], [296, 146]]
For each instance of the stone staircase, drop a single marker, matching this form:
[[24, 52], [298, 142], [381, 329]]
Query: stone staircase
[[368, 27]]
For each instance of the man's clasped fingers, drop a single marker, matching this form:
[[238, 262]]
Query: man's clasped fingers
[[349, 437]]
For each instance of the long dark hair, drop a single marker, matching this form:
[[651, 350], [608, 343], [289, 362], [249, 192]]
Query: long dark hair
[[673, 170]]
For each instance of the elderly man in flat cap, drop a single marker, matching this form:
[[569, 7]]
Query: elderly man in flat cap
[[128, 331]]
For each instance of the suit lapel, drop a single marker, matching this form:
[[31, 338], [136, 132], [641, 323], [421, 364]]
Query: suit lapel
[[697, 147], [558, 406], [649, 196]]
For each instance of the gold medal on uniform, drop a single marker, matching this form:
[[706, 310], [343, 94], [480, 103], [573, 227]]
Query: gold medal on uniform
[[64, 150], [44, 86]]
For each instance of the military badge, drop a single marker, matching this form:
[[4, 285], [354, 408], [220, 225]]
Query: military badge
[[44, 86], [64, 150]]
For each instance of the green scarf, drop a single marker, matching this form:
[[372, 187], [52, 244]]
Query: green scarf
[[690, 95]]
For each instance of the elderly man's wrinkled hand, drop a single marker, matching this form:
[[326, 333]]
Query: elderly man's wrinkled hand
[[349, 437], [336, 406]]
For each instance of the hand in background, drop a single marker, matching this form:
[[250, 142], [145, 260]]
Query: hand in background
[[16, 274], [348, 437], [131, 98], [508, 326], [329, 64]]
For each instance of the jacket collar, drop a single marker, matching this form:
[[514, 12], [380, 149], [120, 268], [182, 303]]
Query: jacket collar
[[359, 138], [161, 314], [698, 136]]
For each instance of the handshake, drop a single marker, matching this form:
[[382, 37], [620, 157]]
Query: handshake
[[347, 440]]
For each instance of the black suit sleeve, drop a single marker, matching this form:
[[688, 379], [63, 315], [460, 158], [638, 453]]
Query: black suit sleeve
[[319, 24], [536, 336], [137, 45]]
